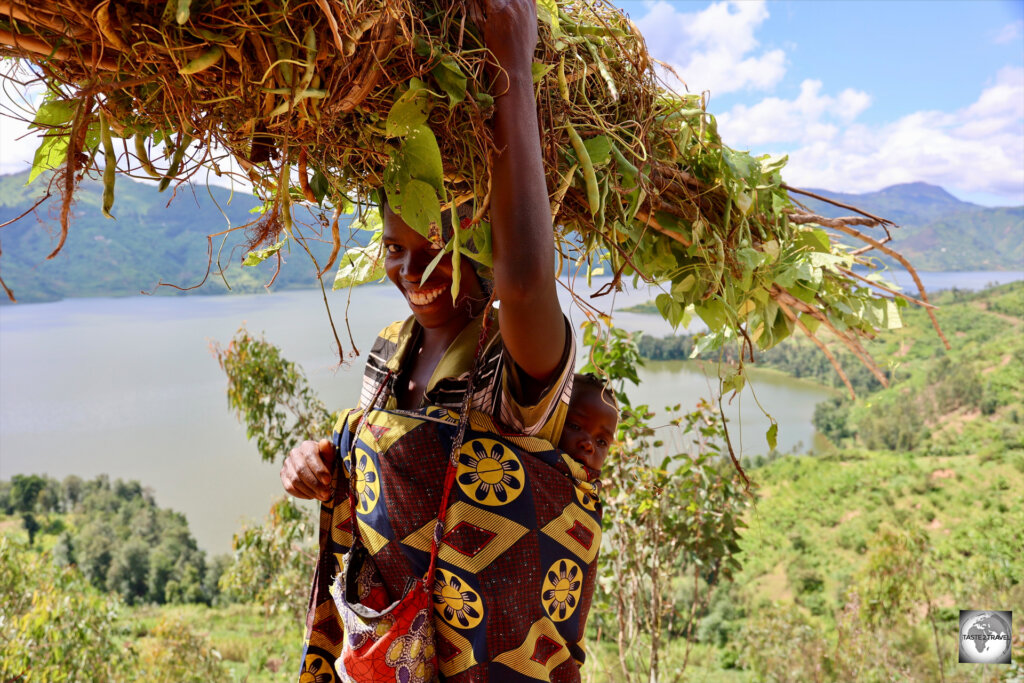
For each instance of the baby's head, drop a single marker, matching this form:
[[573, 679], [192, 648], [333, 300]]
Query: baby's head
[[590, 424]]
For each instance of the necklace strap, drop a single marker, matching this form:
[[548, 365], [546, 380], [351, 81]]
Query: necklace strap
[[460, 436], [351, 455]]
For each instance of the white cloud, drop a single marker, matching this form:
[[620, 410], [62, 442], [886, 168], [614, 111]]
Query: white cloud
[[714, 49], [977, 149], [810, 115], [1009, 33]]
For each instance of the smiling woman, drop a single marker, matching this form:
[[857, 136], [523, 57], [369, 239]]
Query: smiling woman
[[511, 365]]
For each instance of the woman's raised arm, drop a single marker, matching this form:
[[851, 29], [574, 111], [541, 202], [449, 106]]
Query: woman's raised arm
[[532, 324]]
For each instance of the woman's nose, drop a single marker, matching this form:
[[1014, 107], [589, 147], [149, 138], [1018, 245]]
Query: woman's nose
[[410, 269]]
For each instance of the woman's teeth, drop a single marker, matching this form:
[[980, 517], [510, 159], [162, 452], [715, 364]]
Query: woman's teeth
[[424, 298]]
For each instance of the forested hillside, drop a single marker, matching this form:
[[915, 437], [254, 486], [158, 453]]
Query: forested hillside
[[98, 583], [156, 237], [969, 399], [115, 534]]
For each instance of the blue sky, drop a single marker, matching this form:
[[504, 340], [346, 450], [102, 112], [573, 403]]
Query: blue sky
[[861, 94]]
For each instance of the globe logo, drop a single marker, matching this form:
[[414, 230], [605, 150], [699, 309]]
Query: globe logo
[[985, 637]]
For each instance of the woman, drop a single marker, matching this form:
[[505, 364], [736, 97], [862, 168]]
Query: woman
[[498, 617], [535, 340]]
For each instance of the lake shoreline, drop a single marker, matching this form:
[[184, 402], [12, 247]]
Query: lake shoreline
[[128, 387]]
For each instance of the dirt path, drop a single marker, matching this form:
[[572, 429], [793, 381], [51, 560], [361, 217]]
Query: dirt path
[[983, 306]]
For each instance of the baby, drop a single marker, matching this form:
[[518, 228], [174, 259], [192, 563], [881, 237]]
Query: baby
[[590, 424]]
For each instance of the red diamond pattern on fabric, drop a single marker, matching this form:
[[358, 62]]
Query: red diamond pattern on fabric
[[330, 628], [582, 534], [543, 650], [446, 649], [468, 539], [377, 430]]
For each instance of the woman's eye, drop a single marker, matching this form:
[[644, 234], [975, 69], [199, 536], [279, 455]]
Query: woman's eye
[[393, 248]]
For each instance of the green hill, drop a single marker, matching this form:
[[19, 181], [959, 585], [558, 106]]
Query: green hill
[[858, 547], [938, 231], [156, 237]]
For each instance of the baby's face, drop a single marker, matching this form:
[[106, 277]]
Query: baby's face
[[589, 427]]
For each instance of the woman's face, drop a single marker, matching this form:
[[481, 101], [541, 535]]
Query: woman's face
[[406, 255]]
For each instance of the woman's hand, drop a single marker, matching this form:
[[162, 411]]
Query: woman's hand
[[306, 472]]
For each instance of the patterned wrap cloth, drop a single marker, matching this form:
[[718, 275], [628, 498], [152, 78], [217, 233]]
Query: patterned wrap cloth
[[517, 560]]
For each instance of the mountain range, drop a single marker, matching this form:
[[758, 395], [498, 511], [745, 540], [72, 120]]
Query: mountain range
[[936, 230], [162, 237]]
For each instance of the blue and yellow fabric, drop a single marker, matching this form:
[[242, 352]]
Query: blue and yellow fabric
[[517, 557]]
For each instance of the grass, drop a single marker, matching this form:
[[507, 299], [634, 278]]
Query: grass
[[254, 647]]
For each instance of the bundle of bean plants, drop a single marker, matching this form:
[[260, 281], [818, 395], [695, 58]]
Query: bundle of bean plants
[[330, 102]]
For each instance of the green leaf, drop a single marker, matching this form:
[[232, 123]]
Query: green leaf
[[258, 256], [735, 381], [714, 314], [814, 239], [421, 208], [750, 258], [396, 177], [539, 69], [893, 319], [320, 186], [599, 149], [449, 76], [360, 265], [50, 155], [810, 322], [744, 202], [772, 435], [433, 264], [481, 237], [54, 113], [741, 164], [422, 157], [408, 111], [707, 342], [670, 309], [683, 286], [547, 12]]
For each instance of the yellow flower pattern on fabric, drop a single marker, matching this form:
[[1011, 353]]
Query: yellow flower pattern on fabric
[[316, 670], [457, 603], [443, 414], [586, 494], [367, 481], [561, 590], [489, 473]]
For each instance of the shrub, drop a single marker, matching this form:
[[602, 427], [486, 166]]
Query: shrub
[[54, 626]]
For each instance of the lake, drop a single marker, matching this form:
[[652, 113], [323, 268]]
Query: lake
[[128, 387]]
